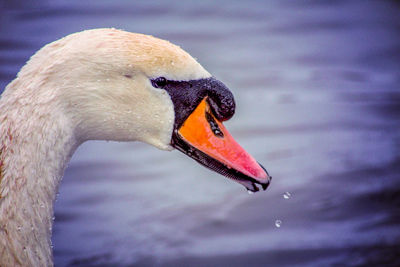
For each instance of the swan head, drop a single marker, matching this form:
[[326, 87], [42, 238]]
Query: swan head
[[116, 85]]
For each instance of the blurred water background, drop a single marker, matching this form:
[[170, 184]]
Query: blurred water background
[[318, 103]]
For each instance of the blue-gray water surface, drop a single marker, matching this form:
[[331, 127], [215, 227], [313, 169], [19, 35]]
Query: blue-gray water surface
[[318, 103]]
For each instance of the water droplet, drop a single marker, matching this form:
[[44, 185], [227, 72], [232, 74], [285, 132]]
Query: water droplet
[[287, 195], [278, 223], [250, 192]]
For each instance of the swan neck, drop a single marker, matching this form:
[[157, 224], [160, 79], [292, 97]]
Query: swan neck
[[36, 143]]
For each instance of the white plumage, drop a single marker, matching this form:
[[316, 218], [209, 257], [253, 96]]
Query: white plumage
[[89, 85]]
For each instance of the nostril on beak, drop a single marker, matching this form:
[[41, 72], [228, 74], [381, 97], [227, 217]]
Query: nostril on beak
[[214, 126]]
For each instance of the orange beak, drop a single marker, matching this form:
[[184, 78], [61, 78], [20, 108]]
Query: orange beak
[[203, 132]]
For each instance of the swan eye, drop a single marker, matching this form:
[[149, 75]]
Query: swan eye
[[160, 82]]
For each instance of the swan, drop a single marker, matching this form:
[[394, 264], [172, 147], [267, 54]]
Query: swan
[[104, 84]]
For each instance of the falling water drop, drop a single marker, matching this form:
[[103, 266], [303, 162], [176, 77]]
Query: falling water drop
[[278, 223], [287, 195]]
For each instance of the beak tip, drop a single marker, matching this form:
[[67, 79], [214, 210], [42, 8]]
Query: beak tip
[[265, 186], [256, 185], [263, 179], [264, 175]]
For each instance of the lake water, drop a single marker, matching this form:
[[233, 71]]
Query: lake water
[[318, 104]]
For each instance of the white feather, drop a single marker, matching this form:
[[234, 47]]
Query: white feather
[[89, 85]]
